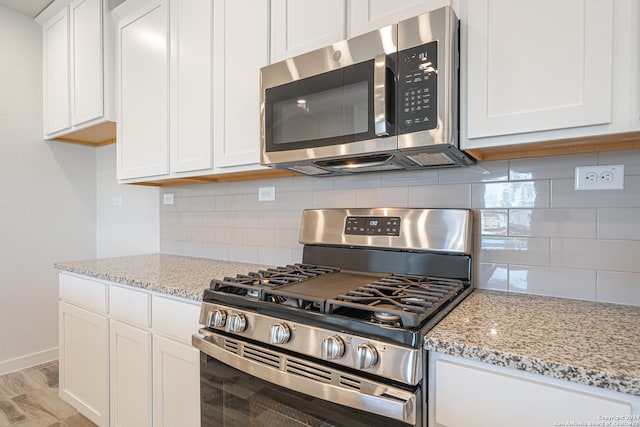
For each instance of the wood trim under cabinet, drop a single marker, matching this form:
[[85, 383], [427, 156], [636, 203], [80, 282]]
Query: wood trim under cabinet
[[223, 177], [590, 144], [97, 136]]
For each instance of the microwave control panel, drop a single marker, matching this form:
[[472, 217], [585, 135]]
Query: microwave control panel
[[372, 226], [418, 88]]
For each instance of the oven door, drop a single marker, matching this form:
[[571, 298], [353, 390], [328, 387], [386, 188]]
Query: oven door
[[247, 384]]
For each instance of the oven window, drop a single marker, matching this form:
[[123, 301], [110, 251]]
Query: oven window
[[230, 397], [332, 108]]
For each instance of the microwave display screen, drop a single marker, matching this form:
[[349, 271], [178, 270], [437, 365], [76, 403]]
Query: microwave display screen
[[330, 113], [418, 88]]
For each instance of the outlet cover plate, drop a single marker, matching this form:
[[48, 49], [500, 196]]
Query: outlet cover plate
[[266, 194], [606, 177], [167, 199]]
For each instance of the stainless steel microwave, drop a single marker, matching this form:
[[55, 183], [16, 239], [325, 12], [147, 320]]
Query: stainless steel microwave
[[385, 100]]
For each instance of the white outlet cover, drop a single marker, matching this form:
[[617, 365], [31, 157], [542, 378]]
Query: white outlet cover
[[266, 194], [167, 199], [603, 177]]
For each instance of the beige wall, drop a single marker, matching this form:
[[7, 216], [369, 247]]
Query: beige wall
[[534, 232], [47, 201]]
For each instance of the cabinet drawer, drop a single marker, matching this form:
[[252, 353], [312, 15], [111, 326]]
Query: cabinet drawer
[[174, 318], [84, 292], [130, 305]]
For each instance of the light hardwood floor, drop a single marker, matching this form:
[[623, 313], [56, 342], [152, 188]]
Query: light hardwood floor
[[30, 398]]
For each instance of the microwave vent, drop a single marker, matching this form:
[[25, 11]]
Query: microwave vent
[[309, 170], [431, 159]]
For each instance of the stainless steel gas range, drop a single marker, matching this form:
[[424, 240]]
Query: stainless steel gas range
[[335, 340]]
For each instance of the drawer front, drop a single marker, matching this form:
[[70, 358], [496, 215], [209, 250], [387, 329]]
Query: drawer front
[[84, 292], [130, 305], [175, 319]]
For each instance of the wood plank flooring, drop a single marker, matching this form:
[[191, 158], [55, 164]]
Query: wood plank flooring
[[30, 398]]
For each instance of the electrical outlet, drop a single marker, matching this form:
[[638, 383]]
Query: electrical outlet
[[609, 177], [266, 194], [117, 201], [167, 199]]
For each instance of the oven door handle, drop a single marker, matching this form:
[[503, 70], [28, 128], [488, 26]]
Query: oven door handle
[[310, 378], [380, 95]]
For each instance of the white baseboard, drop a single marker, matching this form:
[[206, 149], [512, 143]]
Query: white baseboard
[[28, 361]]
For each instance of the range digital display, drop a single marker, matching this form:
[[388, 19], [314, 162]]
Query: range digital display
[[372, 226]]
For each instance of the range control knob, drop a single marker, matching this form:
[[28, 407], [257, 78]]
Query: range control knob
[[280, 333], [332, 348], [217, 319], [236, 323], [366, 356]]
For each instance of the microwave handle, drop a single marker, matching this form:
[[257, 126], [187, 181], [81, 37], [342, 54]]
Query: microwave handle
[[380, 95]]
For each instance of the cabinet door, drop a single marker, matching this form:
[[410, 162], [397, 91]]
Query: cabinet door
[[469, 394], [55, 46], [240, 51], [191, 80], [536, 66], [176, 384], [130, 375], [143, 113], [84, 371], [86, 50], [370, 15], [300, 26]]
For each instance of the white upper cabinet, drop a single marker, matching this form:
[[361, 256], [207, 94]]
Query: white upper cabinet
[[239, 51], [191, 34], [301, 26], [78, 71], [55, 42], [143, 109], [370, 15], [545, 70]]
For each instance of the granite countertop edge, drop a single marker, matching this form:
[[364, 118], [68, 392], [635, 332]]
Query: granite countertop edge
[[562, 371], [150, 286]]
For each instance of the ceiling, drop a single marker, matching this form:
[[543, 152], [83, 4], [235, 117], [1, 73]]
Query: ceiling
[[28, 7]]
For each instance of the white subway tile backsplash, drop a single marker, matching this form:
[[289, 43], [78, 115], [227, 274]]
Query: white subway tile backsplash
[[396, 197], [563, 195], [553, 222], [550, 281], [614, 255], [534, 233], [513, 250], [521, 194], [550, 168], [619, 288], [481, 172], [494, 222], [492, 276], [439, 196], [619, 223]]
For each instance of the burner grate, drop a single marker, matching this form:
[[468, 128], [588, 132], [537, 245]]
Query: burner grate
[[399, 299], [254, 284]]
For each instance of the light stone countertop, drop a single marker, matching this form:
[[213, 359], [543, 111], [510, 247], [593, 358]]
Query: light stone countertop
[[180, 276], [585, 342]]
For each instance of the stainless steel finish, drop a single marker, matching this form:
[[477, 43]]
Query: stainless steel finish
[[237, 323], [437, 230], [332, 348], [310, 378], [440, 25], [366, 356], [280, 333], [380, 95], [218, 319], [353, 51], [402, 364]]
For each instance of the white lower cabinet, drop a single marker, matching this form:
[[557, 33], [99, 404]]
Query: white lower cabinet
[[130, 375], [126, 358], [176, 383], [84, 369], [465, 393]]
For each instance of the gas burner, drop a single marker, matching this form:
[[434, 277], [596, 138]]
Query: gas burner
[[399, 298], [253, 293]]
